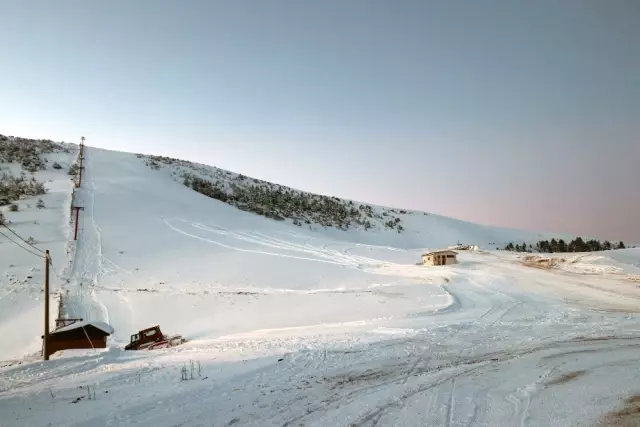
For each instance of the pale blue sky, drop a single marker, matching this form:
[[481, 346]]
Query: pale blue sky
[[515, 113]]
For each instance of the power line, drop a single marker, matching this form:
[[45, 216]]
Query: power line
[[16, 234], [21, 247]]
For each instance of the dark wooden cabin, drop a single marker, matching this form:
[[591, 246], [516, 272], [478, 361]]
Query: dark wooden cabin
[[79, 335]]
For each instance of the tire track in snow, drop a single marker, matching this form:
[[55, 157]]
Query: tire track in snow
[[487, 319], [521, 398], [452, 401]]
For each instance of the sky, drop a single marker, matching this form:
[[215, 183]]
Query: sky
[[516, 113]]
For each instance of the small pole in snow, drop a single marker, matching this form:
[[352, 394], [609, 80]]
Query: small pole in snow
[[75, 233]]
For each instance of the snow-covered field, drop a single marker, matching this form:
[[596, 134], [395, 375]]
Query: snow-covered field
[[289, 326]]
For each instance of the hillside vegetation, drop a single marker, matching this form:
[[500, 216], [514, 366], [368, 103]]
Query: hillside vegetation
[[278, 202], [27, 155]]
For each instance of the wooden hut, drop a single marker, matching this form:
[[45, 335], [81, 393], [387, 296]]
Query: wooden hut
[[86, 334], [443, 257]]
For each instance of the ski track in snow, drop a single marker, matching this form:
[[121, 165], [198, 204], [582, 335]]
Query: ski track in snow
[[323, 255], [88, 264]]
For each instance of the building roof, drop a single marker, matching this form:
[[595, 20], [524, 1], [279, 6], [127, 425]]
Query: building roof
[[442, 251], [98, 325]]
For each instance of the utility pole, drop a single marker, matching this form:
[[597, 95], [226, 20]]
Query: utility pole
[[78, 209], [80, 176], [79, 183], [46, 305]]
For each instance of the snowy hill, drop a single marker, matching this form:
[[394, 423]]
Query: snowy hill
[[25, 165], [312, 211], [325, 322], [147, 238]]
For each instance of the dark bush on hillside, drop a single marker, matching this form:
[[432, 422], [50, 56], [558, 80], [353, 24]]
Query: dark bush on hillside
[[74, 169], [29, 153], [280, 203], [12, 188]]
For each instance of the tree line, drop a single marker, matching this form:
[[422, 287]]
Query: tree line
[[576, 245]]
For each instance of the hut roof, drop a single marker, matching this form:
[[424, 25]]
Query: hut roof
[[98, 325], [442, 251]]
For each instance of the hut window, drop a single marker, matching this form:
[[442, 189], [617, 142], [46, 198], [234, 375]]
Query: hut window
[[450, 256]]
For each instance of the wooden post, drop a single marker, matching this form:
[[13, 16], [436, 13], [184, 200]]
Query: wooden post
[[75, 233], [46, 305], [80, 176], [79, 183]]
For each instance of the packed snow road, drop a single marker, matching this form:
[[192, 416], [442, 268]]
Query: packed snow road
[[289, 326]]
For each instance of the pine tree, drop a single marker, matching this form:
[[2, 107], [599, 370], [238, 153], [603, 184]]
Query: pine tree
[[621, 245], [580, 246], [546, 246], [562, 246], [594, 245]]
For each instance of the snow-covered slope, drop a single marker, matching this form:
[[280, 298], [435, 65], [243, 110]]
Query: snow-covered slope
[[310, 325], [22, 273], [306, 211], [147, 240]]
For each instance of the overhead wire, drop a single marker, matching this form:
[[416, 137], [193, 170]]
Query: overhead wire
[[18, 236], [22, 247]]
